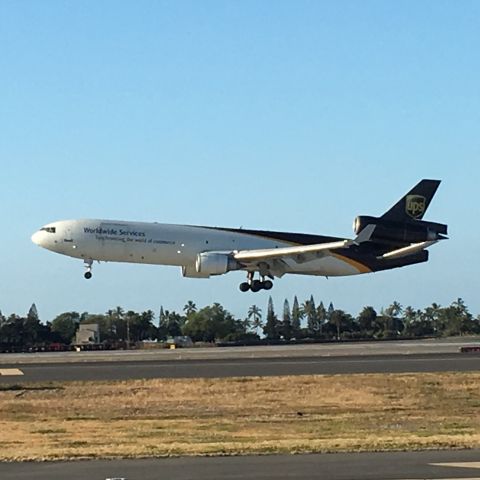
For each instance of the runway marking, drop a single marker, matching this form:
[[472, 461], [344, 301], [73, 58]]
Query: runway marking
[[302, 362], [189, 363], [457, 464], [456, 478], [10, 371]]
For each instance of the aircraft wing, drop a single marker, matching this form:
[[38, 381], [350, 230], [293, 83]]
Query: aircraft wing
[[301, 253], [248, 256]]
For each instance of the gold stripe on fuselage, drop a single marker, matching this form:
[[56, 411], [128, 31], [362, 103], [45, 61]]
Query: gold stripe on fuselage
[[359, 266]]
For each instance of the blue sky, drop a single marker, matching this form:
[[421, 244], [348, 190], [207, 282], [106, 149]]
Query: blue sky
[[285, 115]]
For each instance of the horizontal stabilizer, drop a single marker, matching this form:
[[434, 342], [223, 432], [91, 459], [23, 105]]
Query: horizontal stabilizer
[[405, 251]]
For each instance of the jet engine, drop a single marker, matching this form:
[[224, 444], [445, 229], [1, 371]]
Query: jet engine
[[190, 271], [214, 263], [391, 231]]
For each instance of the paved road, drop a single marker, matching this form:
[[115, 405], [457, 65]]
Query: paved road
[[360, 466], [123, 370]]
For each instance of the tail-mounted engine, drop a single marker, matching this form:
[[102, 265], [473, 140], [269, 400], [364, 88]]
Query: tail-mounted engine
[[394, 232]]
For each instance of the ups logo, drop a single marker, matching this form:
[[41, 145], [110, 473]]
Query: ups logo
[[415, 205]]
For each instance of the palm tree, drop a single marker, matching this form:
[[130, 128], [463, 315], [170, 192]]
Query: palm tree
[[189, 308], [119, 326], [433, 315], [410, 317], [310, 311], [393, 313], [130, 317], [341, 320], [110, 323], [255, 313], [394, 310]]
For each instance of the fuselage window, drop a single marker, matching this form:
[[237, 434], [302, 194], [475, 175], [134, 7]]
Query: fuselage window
[[48, 229]]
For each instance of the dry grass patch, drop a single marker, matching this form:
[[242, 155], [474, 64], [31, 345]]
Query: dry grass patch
[[240, 415]]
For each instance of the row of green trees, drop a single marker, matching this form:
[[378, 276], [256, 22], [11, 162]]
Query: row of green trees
[[393, 321], [214, 323]]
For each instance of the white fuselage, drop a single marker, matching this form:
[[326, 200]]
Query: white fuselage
[[166, 244]]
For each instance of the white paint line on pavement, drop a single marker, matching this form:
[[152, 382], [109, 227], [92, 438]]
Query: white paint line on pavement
[[10, 371], [456, 478], [457, 464]]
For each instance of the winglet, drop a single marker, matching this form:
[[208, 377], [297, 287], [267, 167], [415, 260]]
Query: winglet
[[364, 235]]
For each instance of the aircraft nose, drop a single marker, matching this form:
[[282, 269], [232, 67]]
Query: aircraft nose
[[37, 238]]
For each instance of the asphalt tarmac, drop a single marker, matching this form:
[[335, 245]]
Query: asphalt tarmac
[[250, 361], [354, 466], [47, 372]]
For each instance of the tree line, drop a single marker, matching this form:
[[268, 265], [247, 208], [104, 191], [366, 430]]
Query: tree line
[[304, 321]]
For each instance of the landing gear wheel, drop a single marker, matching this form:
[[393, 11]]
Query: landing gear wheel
[[88, 265], [256, 286]]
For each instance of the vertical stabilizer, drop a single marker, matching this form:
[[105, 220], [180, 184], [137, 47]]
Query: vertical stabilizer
[[414, 204]]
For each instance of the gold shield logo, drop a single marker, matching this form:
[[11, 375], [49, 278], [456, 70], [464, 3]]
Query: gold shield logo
[[415, 205]]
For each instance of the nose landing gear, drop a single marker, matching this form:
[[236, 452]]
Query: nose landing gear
[[88, 266], [256, 285]]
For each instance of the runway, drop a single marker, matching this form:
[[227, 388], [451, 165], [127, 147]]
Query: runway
[[343, 466], [330, 358], [210, 368]]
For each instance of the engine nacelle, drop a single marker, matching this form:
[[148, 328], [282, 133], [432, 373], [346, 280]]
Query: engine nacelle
[[213, 263], [190, 271], [389, 231]]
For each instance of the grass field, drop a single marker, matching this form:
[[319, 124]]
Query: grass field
[[239, 415]]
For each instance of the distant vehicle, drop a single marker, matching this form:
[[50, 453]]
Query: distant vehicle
[[180, 341], [399, 237]]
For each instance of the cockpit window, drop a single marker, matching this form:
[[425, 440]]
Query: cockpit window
[[48, 229]]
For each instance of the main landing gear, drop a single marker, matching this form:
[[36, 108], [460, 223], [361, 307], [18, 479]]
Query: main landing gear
[[88, 266], [256, 285]]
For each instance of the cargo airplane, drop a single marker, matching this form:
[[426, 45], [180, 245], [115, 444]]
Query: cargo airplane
[[399, 237]]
